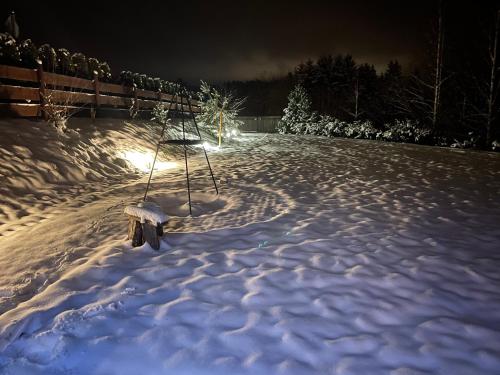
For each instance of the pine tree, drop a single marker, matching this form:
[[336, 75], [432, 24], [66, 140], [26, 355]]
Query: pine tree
[[297, 113]]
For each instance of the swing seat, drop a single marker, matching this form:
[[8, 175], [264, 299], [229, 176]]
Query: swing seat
[[187, 142]]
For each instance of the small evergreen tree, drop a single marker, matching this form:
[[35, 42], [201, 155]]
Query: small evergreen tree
[[93, 66], [64, 61], [126, 78], [217, 106], [160, 114], [80, 65], [297, 113], [104, 72], [28, 53], [48, 56], [9, 51]]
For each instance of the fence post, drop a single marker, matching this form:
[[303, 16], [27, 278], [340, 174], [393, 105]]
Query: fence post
[[96, 95], [41, 89], [136, 101]]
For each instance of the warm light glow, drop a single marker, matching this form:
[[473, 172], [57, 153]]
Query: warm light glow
[[210, 147], [144, 160]]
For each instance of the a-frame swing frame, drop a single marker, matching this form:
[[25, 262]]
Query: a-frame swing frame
[[184, 142]]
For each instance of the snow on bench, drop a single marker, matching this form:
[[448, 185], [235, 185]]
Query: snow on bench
[[145, 224], [147, 211]]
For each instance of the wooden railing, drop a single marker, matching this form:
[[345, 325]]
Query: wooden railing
[[27, 90]]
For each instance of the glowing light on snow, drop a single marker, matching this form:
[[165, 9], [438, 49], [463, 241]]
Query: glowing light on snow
[[209, 147], [144, 160]]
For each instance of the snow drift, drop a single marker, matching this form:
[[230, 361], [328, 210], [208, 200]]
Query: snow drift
[[320, 256], [45, 173]]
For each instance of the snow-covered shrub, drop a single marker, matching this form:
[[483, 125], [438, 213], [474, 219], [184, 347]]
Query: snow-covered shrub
[[9, 51], [363, 130], [58, 111], [331, 127], [313, 128], [64, 61], [93, 65], [149, 83], [80, 65], [174, 87], [335, 127], [126, 78], [323, 122], [139, 80], [164, 86], [160, 114], [48, 56], [157, 84], [28, 53], [472, 141], [406, 131], [297, 114], [105, 72]]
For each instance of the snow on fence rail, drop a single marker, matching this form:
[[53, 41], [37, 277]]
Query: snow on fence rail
[[27, 90]]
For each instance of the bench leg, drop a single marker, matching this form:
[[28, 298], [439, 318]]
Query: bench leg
[[135, 232], [150, 234]]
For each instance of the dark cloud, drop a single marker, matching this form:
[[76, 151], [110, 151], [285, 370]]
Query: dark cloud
[[221, 40]]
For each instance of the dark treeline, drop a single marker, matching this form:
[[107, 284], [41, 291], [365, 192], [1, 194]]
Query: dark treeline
[[263, 97], [451, 89]]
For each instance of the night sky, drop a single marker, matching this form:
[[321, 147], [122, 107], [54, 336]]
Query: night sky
[[225, 40]]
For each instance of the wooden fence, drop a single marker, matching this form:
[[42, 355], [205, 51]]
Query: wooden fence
[[24, 92], [261, 124]]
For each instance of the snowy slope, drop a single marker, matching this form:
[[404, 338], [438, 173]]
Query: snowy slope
[[320, 256], [48, 181]]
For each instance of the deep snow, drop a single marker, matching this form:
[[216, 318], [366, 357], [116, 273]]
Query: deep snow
[[320, 256]]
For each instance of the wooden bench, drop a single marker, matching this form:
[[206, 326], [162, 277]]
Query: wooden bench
[[145, 224]]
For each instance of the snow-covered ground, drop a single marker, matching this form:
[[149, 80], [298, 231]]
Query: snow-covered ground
[[320, 256]]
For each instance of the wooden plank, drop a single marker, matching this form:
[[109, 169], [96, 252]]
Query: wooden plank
[[115, 101], [70, 97], [115, 89], [19, 93], [147, 94], [88, 98], [146, 104], [169, 98], [67, 81], [166, 97], [18, 74], [19, 109]]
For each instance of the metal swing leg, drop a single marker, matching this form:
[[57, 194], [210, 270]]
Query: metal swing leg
[[203, 146], [158, 149], [151, 173], [185, 157]]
